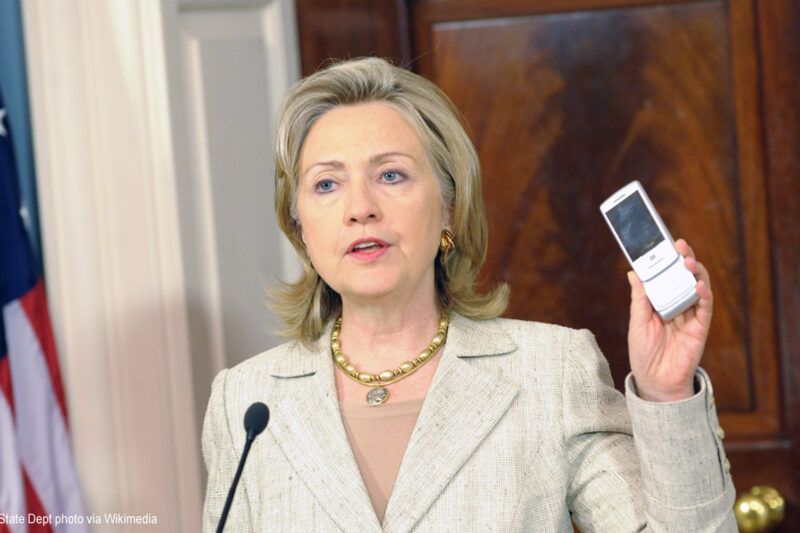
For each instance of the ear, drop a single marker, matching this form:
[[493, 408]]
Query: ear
[[303, 245], [297, 229], [448, 223]]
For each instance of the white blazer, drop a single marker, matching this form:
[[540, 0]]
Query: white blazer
[[521, 430]]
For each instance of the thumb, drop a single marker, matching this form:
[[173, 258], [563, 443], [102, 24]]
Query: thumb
[[640, 305]]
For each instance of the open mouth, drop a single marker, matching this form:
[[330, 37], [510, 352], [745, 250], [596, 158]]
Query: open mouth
[[367, 248]]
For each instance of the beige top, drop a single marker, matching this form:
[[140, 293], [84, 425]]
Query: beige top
[[379, 437]]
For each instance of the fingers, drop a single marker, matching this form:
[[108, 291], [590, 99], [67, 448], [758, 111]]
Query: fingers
[[698, 269], [683, 248], [640, 304], [637, 288], [703, 287], [692, 264]]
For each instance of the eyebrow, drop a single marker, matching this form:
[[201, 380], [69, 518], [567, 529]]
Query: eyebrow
[[377, 158]]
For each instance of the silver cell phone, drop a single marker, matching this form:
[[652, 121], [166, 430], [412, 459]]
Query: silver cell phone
[[650, 250]]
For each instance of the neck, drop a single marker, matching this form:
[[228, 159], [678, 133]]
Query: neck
[[374, 336]]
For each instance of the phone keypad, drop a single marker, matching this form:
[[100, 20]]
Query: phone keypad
[[670, 285]]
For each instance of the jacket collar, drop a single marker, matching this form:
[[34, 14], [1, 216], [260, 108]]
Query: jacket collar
[[465, 338], [463, 404], [473, 338], [304, 360]]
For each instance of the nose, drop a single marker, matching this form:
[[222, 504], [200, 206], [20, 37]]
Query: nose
[[361, 206]]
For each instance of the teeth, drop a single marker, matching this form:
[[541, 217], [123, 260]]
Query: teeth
[[362, 245]]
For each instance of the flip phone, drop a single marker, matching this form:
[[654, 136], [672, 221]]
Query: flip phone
[[650, 250]]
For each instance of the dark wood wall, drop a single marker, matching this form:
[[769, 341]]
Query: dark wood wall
[[567, 100]]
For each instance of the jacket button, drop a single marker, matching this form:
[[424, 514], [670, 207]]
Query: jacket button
[[720, 432], [727, 465]]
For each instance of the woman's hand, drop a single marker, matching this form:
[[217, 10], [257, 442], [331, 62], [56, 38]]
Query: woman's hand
[[664, 356]]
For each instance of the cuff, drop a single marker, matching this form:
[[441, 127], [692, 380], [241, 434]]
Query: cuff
[[680, 446]]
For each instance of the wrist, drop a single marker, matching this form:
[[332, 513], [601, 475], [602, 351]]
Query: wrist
[[677, 393]]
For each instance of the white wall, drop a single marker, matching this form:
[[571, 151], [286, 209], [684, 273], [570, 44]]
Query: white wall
[[152, 126]]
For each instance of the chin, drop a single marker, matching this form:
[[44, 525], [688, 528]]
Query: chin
[[368, 292], [370, 287]]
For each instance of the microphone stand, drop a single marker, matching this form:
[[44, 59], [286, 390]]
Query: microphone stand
[[239, 469], [255, 420]]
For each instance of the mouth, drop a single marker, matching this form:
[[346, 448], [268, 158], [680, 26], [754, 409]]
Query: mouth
[[367, 248]]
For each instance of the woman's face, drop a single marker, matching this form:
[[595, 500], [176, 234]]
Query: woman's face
[[369, 204]]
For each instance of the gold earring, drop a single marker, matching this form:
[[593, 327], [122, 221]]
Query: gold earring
[[447, 242]]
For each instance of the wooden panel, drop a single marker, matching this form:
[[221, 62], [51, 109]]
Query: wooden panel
[[779, 25], [780, 51], [351, 28], [567, 107]]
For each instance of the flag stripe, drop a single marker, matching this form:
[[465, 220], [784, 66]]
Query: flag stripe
[[35, 305], [12, 500], [5, 382], [44, 444], [35, 507]]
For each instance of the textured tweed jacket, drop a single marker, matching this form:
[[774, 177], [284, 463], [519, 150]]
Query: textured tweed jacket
[[521, 431]]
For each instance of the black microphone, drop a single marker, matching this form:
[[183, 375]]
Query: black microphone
[[255, 420]]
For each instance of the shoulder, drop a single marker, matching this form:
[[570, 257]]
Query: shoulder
[[531, 336], [575, 350], [252, 378], [526, 350], [268, 359], [528, 333]]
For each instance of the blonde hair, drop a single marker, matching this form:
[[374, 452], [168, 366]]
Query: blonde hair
[[308, 304]]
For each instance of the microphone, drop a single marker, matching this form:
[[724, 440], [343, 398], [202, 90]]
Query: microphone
[[255, 420]]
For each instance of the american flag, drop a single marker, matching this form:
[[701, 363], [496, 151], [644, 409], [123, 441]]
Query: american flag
[[39, 488]]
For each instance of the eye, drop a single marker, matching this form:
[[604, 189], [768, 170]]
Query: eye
[[325, 185], [392, 176]]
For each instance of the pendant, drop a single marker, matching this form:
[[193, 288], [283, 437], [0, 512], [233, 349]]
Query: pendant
[[377, 396]]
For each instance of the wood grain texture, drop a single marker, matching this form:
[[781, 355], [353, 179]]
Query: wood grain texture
[[779, 29], [566, 108], [342, 29]]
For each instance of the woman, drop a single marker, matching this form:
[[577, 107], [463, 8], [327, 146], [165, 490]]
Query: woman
[[500, 424]]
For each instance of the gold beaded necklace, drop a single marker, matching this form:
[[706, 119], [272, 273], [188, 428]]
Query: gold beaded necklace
[[379, 394]]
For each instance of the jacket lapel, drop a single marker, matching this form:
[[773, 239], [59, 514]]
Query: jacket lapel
[[307, 425], [463, 404]]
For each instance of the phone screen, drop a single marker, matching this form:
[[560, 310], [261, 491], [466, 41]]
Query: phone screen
[[636, 228]]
